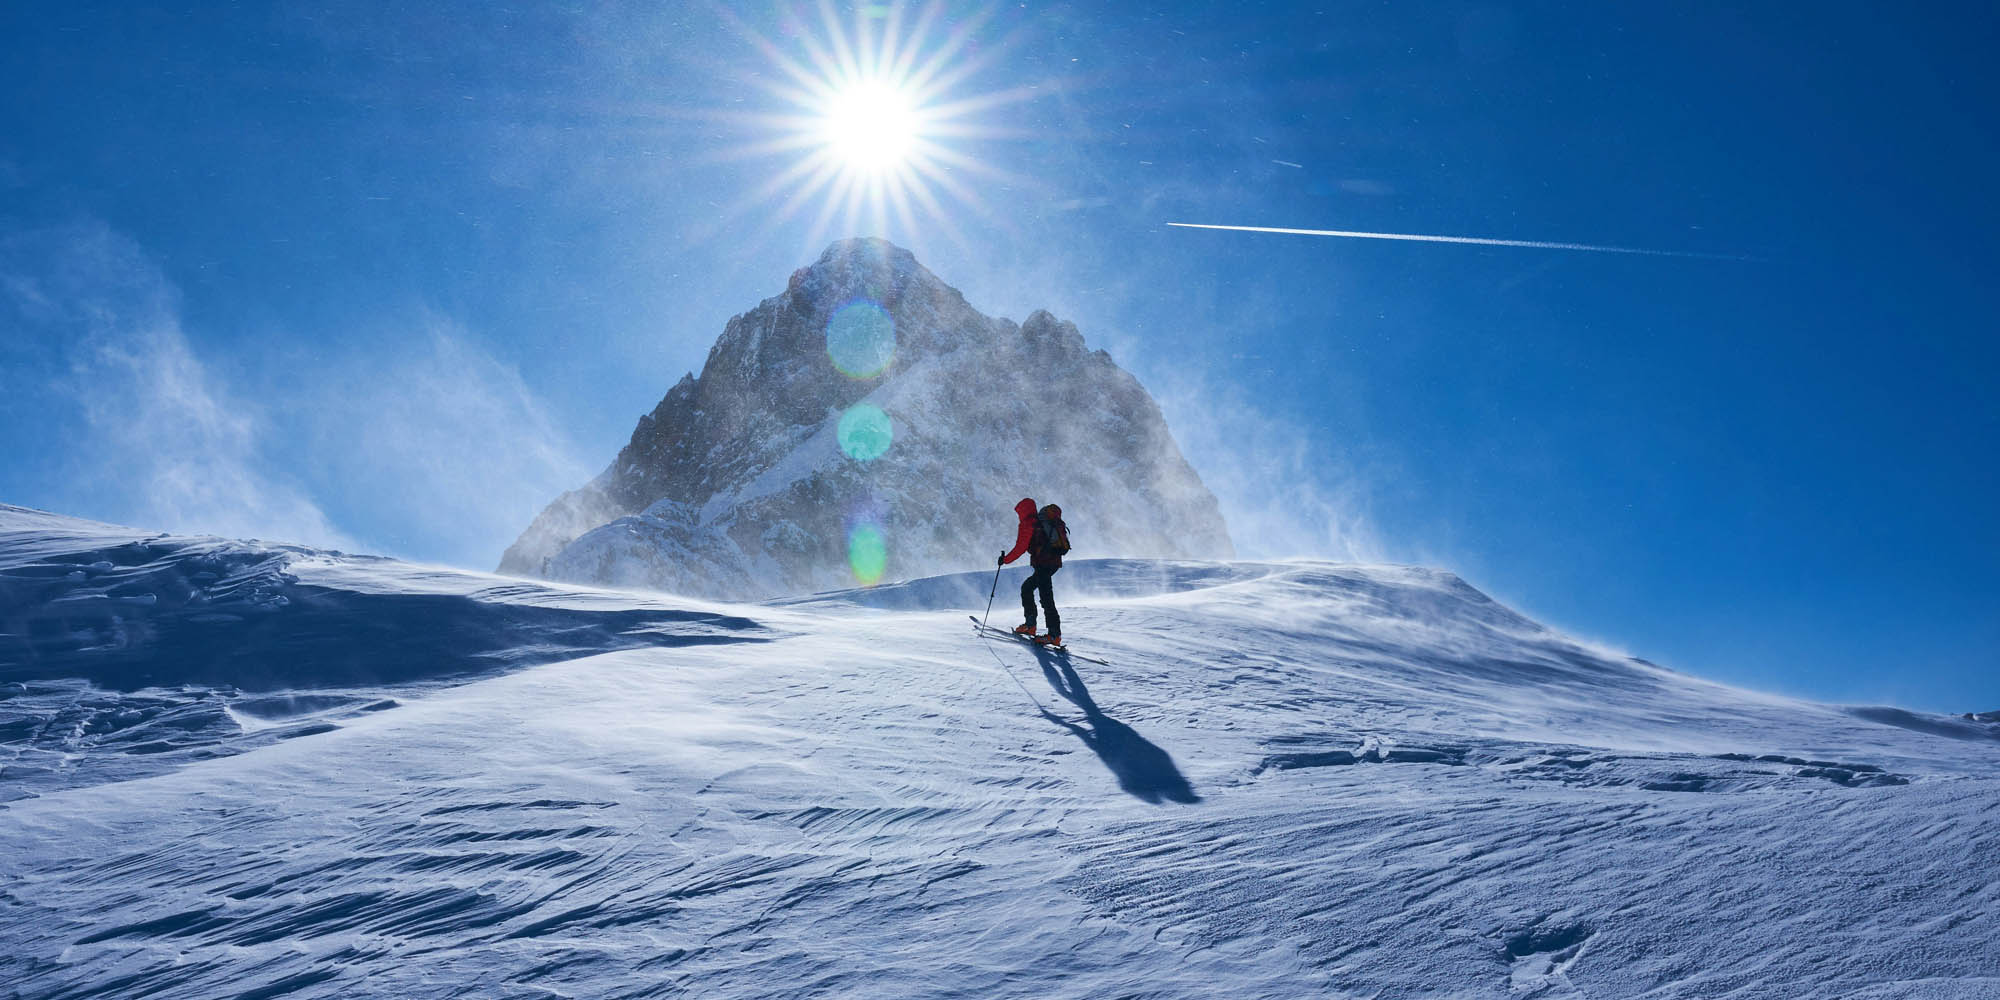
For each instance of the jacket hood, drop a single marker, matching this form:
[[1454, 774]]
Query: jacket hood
[[1026, 508]]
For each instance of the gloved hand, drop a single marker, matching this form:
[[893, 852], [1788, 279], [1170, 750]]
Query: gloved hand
[[1003, 559]]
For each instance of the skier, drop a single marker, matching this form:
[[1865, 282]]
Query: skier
[[1045, 538]]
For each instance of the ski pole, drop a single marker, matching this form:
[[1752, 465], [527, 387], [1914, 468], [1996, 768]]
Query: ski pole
[[989, 595]]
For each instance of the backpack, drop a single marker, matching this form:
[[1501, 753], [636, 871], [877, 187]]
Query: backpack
[[1055, 534]]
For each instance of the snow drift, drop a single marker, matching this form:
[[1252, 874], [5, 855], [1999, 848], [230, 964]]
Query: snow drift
[[122, 652], [1292, 779]]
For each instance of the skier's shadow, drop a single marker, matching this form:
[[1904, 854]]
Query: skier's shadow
[[1141, 767]]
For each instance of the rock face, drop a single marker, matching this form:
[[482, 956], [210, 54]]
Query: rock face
[[869, 425]]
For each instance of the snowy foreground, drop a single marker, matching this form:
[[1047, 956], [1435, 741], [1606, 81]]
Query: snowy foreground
[[244, 770]]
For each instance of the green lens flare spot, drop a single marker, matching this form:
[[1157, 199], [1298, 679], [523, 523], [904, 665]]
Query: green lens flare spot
[[865, 432], [867, 555], [861, 339]]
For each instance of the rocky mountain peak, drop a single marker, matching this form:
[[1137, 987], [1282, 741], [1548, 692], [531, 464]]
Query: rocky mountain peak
[[869, 423]]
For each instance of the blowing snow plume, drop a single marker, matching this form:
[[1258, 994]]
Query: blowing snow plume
[[415, 439], [867, 425], [153, 432], [444, 433]]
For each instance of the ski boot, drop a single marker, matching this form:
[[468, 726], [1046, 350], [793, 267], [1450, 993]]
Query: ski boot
[[1050, 639], [1025, 630]]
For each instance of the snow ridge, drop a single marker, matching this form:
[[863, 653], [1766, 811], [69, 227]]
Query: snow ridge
[[123, 653]]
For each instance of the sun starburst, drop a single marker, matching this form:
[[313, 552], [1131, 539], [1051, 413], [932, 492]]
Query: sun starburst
[[869, 119]]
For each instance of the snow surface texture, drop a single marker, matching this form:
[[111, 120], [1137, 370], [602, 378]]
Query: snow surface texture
[[1296, 779], [747, 482]]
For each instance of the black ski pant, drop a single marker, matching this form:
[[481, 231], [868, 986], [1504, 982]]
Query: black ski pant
[[1039, 580]]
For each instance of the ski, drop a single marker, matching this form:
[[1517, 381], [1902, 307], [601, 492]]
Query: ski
[[996, 632]]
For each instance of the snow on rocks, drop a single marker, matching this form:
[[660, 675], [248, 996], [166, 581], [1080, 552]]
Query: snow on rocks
[[752, 481]]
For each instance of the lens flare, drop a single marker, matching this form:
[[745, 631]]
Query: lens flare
[[865, 432], [861, 339], [867, 554]]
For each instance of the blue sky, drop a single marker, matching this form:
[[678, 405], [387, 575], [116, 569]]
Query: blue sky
[[390, 276]]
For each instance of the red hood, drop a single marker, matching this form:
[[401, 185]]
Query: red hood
[[1026, 508]]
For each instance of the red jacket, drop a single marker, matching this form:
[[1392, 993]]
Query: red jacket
[[1025, 537]]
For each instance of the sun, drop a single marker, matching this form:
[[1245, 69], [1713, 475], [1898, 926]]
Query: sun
[[870, 126], [872, 116]]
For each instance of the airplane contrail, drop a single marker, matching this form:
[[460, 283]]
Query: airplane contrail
[[1474, 240]]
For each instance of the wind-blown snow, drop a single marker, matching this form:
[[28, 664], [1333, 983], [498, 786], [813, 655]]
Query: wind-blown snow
[[1294, 779]]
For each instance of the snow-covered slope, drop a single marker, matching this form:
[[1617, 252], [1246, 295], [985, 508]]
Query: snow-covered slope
[[1292, 779]]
